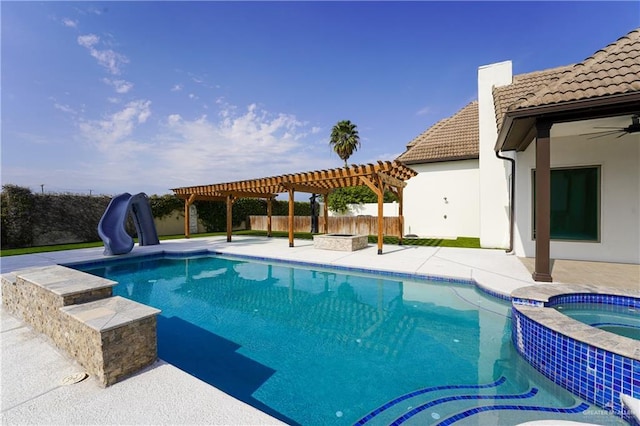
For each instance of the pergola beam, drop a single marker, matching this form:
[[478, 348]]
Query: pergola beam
[[306, 188], [247, 194], [378, 177]]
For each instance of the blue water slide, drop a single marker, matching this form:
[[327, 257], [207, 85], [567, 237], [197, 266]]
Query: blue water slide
[[111, 227], [143, 220]]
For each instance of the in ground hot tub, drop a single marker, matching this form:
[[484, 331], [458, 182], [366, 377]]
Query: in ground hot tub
[[340, 242], [593, 363]]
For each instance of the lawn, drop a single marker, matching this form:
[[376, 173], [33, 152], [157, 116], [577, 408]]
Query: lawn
[[465, 242]]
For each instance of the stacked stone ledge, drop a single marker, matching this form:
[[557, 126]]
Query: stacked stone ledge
[[111, 337]]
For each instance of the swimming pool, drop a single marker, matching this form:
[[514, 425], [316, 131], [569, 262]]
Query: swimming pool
[[326, 346]]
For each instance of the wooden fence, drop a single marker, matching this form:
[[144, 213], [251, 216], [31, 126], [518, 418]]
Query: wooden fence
[[356, 225]]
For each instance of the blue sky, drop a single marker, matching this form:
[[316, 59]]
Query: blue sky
[[114, 97]]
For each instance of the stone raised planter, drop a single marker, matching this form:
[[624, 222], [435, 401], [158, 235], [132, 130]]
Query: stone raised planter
[[340, 242]]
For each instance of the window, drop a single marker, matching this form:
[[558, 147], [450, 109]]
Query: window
[[575, 204]]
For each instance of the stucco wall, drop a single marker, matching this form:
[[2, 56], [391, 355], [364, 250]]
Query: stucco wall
[[369, 209], [619, 159], [494, 172], [173, 224], [443, 200]]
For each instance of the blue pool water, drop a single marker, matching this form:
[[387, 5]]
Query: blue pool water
[[320, 346], [618, 319]]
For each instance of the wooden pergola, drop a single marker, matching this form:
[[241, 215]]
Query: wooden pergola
[[385, 175]]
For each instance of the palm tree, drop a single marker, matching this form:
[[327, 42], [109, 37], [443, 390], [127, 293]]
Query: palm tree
[[344, 139]]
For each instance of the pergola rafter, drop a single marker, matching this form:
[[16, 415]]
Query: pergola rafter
[[379, 177]]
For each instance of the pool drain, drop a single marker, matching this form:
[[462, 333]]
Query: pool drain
[[74, 378]]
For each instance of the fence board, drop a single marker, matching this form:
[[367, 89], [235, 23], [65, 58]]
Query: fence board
[[358, 225]]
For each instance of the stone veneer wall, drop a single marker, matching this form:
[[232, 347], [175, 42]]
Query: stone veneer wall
[[113, 354], [111, 337], [340, 242], [39, 307]]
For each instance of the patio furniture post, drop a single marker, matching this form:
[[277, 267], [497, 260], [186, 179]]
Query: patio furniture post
[[543, 202]]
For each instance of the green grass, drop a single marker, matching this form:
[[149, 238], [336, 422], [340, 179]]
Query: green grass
[[463, 242]]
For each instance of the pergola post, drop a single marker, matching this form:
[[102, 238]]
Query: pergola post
[[291, 212], [229, 216], [269, 211], [325, 213], [542, 270], [400, 216], [377, 177], [380, 215], [187, 204]]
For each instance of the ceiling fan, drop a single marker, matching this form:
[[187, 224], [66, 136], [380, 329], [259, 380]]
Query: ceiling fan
[[634, 127]]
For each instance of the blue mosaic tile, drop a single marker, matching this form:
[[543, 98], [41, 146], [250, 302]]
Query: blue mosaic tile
[[602, 299], [439, 401], [471, 412], [593, 374], [406, 396]]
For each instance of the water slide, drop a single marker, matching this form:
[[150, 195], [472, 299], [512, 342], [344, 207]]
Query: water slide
[[111, 227]]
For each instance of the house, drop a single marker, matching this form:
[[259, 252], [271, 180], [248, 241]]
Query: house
[[556, 174], [443, 200]]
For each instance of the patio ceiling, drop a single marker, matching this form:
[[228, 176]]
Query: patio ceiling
[[392, 174]]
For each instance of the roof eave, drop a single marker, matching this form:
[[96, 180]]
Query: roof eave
[[520, 123], [443, 159]]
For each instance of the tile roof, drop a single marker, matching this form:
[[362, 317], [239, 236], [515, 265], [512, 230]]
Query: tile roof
[[613, 70], [522, 87], [453, 138], [427, 132]]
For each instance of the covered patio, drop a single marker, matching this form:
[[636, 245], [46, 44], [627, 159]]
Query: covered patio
[[380, 177], [586, 118]]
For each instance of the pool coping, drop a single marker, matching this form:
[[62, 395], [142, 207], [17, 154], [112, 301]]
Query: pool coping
[[534, 303]]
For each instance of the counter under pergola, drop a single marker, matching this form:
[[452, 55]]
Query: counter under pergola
[[385, 175]]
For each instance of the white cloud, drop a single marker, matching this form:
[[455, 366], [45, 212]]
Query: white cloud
[[252, 143], [67, 22], [424, 111], [111, 135], [107, 58], [88, 40], [64, 108], [233, 144], [121, 86], [177, 88]]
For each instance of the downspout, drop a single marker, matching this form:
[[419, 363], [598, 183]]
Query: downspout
[[512, 198]]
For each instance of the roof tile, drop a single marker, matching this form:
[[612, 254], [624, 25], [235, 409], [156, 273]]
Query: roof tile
[[523, 86], [613, 70], [453, 138]]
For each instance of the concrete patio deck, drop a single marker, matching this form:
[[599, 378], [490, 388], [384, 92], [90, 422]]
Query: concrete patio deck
[[33, 370]]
